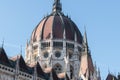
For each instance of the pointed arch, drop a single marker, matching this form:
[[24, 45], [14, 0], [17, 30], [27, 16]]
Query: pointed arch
[[57, 67]]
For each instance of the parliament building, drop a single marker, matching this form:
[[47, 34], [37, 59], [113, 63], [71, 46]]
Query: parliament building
[[56, 51]]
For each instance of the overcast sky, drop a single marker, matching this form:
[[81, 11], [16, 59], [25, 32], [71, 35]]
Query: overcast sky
[[18, 18]]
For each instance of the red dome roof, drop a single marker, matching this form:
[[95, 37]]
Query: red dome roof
[[54, 26]]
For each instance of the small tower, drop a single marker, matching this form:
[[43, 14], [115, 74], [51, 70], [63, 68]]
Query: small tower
[[86, 64], [99, 76], [57, 6]]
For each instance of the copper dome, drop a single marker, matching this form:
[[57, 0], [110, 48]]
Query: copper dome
[[53, 26]]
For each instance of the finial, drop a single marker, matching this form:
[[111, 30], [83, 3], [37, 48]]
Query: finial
[[85, 35], [21, 49], [27, 43], [95, 65], [98, 70], [57, 6], [3, 43], [108, 70]]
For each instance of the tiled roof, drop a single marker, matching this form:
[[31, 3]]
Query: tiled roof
[[3, 58], [12, 62], [54, 25], [111, 77], [86, 65]]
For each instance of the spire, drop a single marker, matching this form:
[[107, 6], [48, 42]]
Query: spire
[[109, 70], [99, 76], [85, 37], [57, 6], [21, 49], [95, 66], [27, 44], [3, 43], [85, 42]]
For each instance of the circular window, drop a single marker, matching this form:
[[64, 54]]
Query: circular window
[[57, 54], [46, 55], [58, 68]]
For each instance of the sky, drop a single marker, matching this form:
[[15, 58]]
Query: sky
[[18, 18]]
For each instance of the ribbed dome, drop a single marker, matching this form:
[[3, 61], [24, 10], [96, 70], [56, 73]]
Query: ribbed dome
[[53, 26]]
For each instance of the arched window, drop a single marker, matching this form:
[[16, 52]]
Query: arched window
[[58, 68]]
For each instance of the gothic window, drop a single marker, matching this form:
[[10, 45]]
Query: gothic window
[[46, 54], [58, 68], [57, 44], [57, 54], [45, 44], [69, 45]]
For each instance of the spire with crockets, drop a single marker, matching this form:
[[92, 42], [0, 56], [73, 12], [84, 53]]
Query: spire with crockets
[[85, 42], [57, 6]]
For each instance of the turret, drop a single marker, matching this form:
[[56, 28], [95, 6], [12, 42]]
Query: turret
[[86, 64], [57, 6], [99, 76]]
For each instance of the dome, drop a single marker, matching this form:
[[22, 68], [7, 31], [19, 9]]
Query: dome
[[54, 25]]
